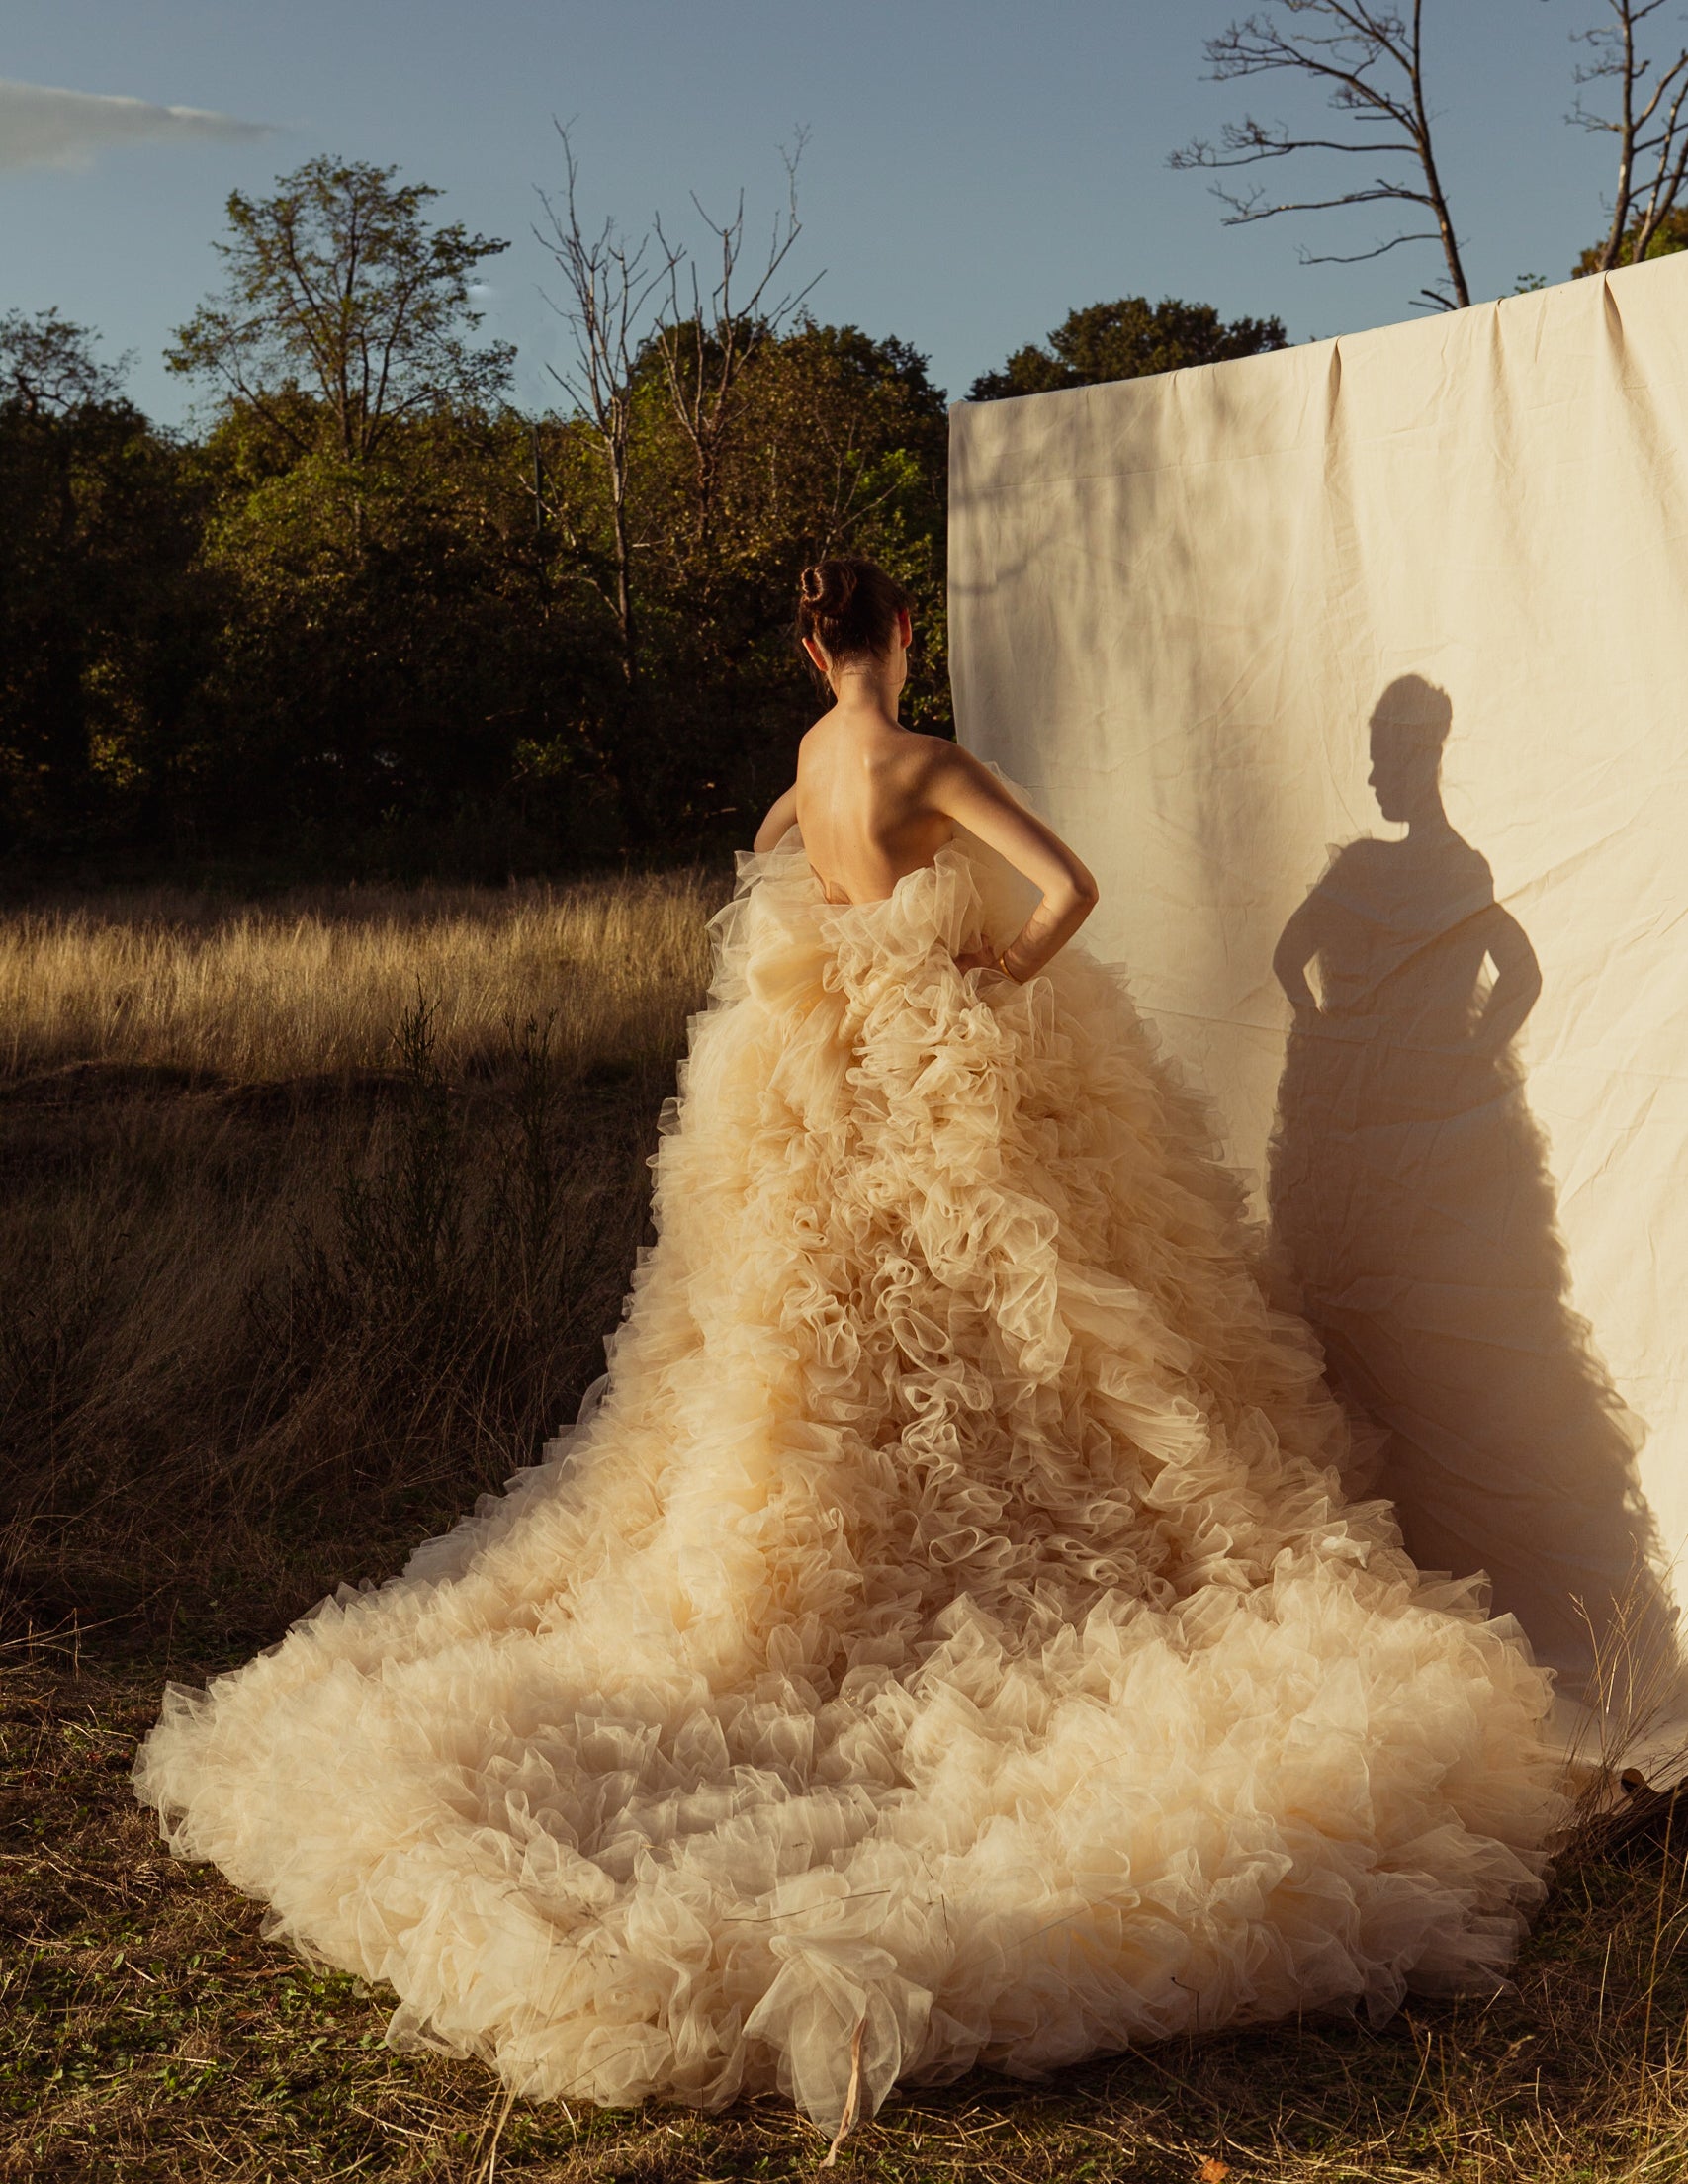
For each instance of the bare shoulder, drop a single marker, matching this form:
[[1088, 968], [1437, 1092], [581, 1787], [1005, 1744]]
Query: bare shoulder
[[931, 759], [932, 749], [960, 784]]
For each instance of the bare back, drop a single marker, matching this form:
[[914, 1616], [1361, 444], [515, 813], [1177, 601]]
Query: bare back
[[875, 800], [864, 805]]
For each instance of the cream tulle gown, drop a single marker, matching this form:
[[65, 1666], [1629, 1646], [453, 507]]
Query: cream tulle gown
[[945, 1642]]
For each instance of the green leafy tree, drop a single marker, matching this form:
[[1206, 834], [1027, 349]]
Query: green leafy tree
[[833, 440], [390, 636], [338, 285], [1128, 340], [394, 689], [49, 368], [102, 631], [1665, 238]]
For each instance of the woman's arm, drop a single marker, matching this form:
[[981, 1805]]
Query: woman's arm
[[1517, 983], [1296, 947], [781, 818], [972, 796]]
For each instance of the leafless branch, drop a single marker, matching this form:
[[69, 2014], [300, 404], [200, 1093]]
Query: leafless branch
[[705, 342], [1650, 126], [608, 287], [1359, 257], [653, 340], [1369, 58]]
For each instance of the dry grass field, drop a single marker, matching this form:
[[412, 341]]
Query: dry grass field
[[312, 1221], [312, 985], [313, 1218]]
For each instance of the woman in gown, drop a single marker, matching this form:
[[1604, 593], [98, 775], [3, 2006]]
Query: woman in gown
[[945, 1639]]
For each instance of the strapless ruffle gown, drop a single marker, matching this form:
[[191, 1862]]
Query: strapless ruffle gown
[[945, 1642]]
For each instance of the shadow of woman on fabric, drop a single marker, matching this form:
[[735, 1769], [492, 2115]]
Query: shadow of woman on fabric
[[1411, 1197]]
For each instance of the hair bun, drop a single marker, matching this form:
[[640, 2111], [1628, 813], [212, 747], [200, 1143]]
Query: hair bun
[[827, 587], [848, 606]]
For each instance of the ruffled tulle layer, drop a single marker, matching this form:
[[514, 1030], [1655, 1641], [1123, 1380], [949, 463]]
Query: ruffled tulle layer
[[946, 1639]]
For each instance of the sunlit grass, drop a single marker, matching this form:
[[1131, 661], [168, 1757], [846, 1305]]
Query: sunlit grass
[[239, 1360], [314, 983], [281, 1289]]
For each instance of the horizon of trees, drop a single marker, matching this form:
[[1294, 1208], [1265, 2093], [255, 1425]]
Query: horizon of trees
[[371, 617], [1130, 338]]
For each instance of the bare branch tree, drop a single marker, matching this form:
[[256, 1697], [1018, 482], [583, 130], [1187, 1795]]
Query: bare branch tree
[[705, 344], [1369, 58], [643, 328], [609, 284], [1650, 126]]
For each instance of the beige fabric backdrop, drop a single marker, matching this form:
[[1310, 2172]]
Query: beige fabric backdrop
[[1176, 605]]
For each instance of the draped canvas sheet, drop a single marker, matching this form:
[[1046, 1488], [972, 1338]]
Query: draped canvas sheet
[[1201, 615]]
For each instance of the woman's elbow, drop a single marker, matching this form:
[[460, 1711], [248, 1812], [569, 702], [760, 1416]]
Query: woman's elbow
[[1085, 891]]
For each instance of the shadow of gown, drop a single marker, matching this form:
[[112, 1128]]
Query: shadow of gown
[[1412, 1202]]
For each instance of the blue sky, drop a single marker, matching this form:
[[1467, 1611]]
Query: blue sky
[[974, 169]]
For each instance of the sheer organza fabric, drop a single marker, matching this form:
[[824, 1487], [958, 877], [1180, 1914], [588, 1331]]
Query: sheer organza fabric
[[944, 1640]]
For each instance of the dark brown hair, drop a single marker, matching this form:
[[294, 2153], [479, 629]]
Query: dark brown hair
[[850, 608]]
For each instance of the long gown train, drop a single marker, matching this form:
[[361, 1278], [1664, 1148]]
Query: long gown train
[[945, 1642]]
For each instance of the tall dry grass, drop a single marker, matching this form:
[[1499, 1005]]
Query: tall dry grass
[[314, 981], [312, 1219]]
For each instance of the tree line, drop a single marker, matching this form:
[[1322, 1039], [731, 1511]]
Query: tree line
[[373, 617], [370, 616]]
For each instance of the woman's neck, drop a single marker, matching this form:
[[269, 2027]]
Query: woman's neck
[[1429, 820], [868, 692]]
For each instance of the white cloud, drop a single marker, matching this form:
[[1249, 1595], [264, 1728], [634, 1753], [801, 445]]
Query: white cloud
[[44, 128]]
